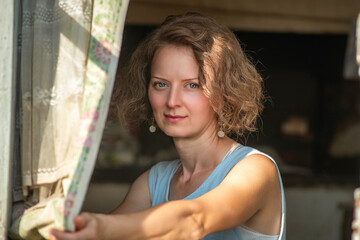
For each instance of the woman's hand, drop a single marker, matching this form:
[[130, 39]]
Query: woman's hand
[[87, 227]]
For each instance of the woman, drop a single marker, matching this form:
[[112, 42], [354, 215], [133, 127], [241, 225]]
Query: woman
[[191, 79]]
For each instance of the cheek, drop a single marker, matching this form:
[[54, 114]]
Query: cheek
[[155, 101], [203, 105]]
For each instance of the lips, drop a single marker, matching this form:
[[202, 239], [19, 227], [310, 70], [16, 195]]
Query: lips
[[174, 118]]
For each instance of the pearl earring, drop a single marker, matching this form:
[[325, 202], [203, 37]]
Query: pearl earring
[[221, 133], [152, 127]]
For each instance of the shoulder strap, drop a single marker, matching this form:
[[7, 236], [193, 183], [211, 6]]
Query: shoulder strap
[[218, 175], [160, 176]]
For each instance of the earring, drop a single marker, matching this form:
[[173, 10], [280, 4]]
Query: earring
[[152, 127], [221, 133]]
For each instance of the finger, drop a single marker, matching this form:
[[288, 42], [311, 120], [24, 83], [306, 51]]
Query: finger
[[80, 222], [59, 235], [52, 237], [62, 235]]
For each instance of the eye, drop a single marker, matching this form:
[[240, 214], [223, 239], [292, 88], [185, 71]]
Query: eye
[[193, 85], [159, 84]]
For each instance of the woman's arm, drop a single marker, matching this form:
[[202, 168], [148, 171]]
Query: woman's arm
[[137, 198], [171, 220], [249, 193]]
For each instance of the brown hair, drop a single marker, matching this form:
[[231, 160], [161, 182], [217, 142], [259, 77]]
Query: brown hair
[[227, 77]]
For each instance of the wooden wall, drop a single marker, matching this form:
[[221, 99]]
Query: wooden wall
[[299, 16], [7, 103]]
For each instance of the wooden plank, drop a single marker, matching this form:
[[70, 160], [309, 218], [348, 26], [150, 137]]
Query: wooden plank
[[7, 100], [301, 16], [334, 9]]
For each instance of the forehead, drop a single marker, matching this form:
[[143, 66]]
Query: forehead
[[173, 49], [174, 60]]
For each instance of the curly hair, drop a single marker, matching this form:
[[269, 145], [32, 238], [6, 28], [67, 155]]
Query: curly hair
[[226, 75]]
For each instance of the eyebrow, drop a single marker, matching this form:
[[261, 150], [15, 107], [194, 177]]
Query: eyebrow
[[186, 79]]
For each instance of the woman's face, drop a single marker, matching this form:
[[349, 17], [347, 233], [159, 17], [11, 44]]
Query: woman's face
[[179, 105]]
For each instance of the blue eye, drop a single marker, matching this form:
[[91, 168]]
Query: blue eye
[[193, 85], [160, 84]]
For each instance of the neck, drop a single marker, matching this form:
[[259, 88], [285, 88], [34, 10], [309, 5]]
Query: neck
[[203, 153]]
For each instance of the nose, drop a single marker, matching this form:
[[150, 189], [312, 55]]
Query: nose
[[174, 98]]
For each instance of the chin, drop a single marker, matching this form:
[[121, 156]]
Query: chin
[[176, 133]]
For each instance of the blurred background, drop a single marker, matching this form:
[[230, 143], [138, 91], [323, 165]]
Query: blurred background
[[305, 51]]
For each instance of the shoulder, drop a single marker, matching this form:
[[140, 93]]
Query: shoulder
[[249, 157], [257, 159], [256, 166], [163, 167], [165, 164]]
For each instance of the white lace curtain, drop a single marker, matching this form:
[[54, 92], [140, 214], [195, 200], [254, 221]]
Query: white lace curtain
[[54, 42], [69, 54]]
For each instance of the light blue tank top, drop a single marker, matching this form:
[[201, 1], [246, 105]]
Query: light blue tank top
[[161, 175]]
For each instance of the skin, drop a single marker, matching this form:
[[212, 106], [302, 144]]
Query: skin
[[249, 194]]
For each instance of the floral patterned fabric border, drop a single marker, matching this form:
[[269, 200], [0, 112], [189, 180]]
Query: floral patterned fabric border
[[107, 28]]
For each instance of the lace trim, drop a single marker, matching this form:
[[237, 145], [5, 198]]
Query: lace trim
[[40, 171], [45, 175]]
